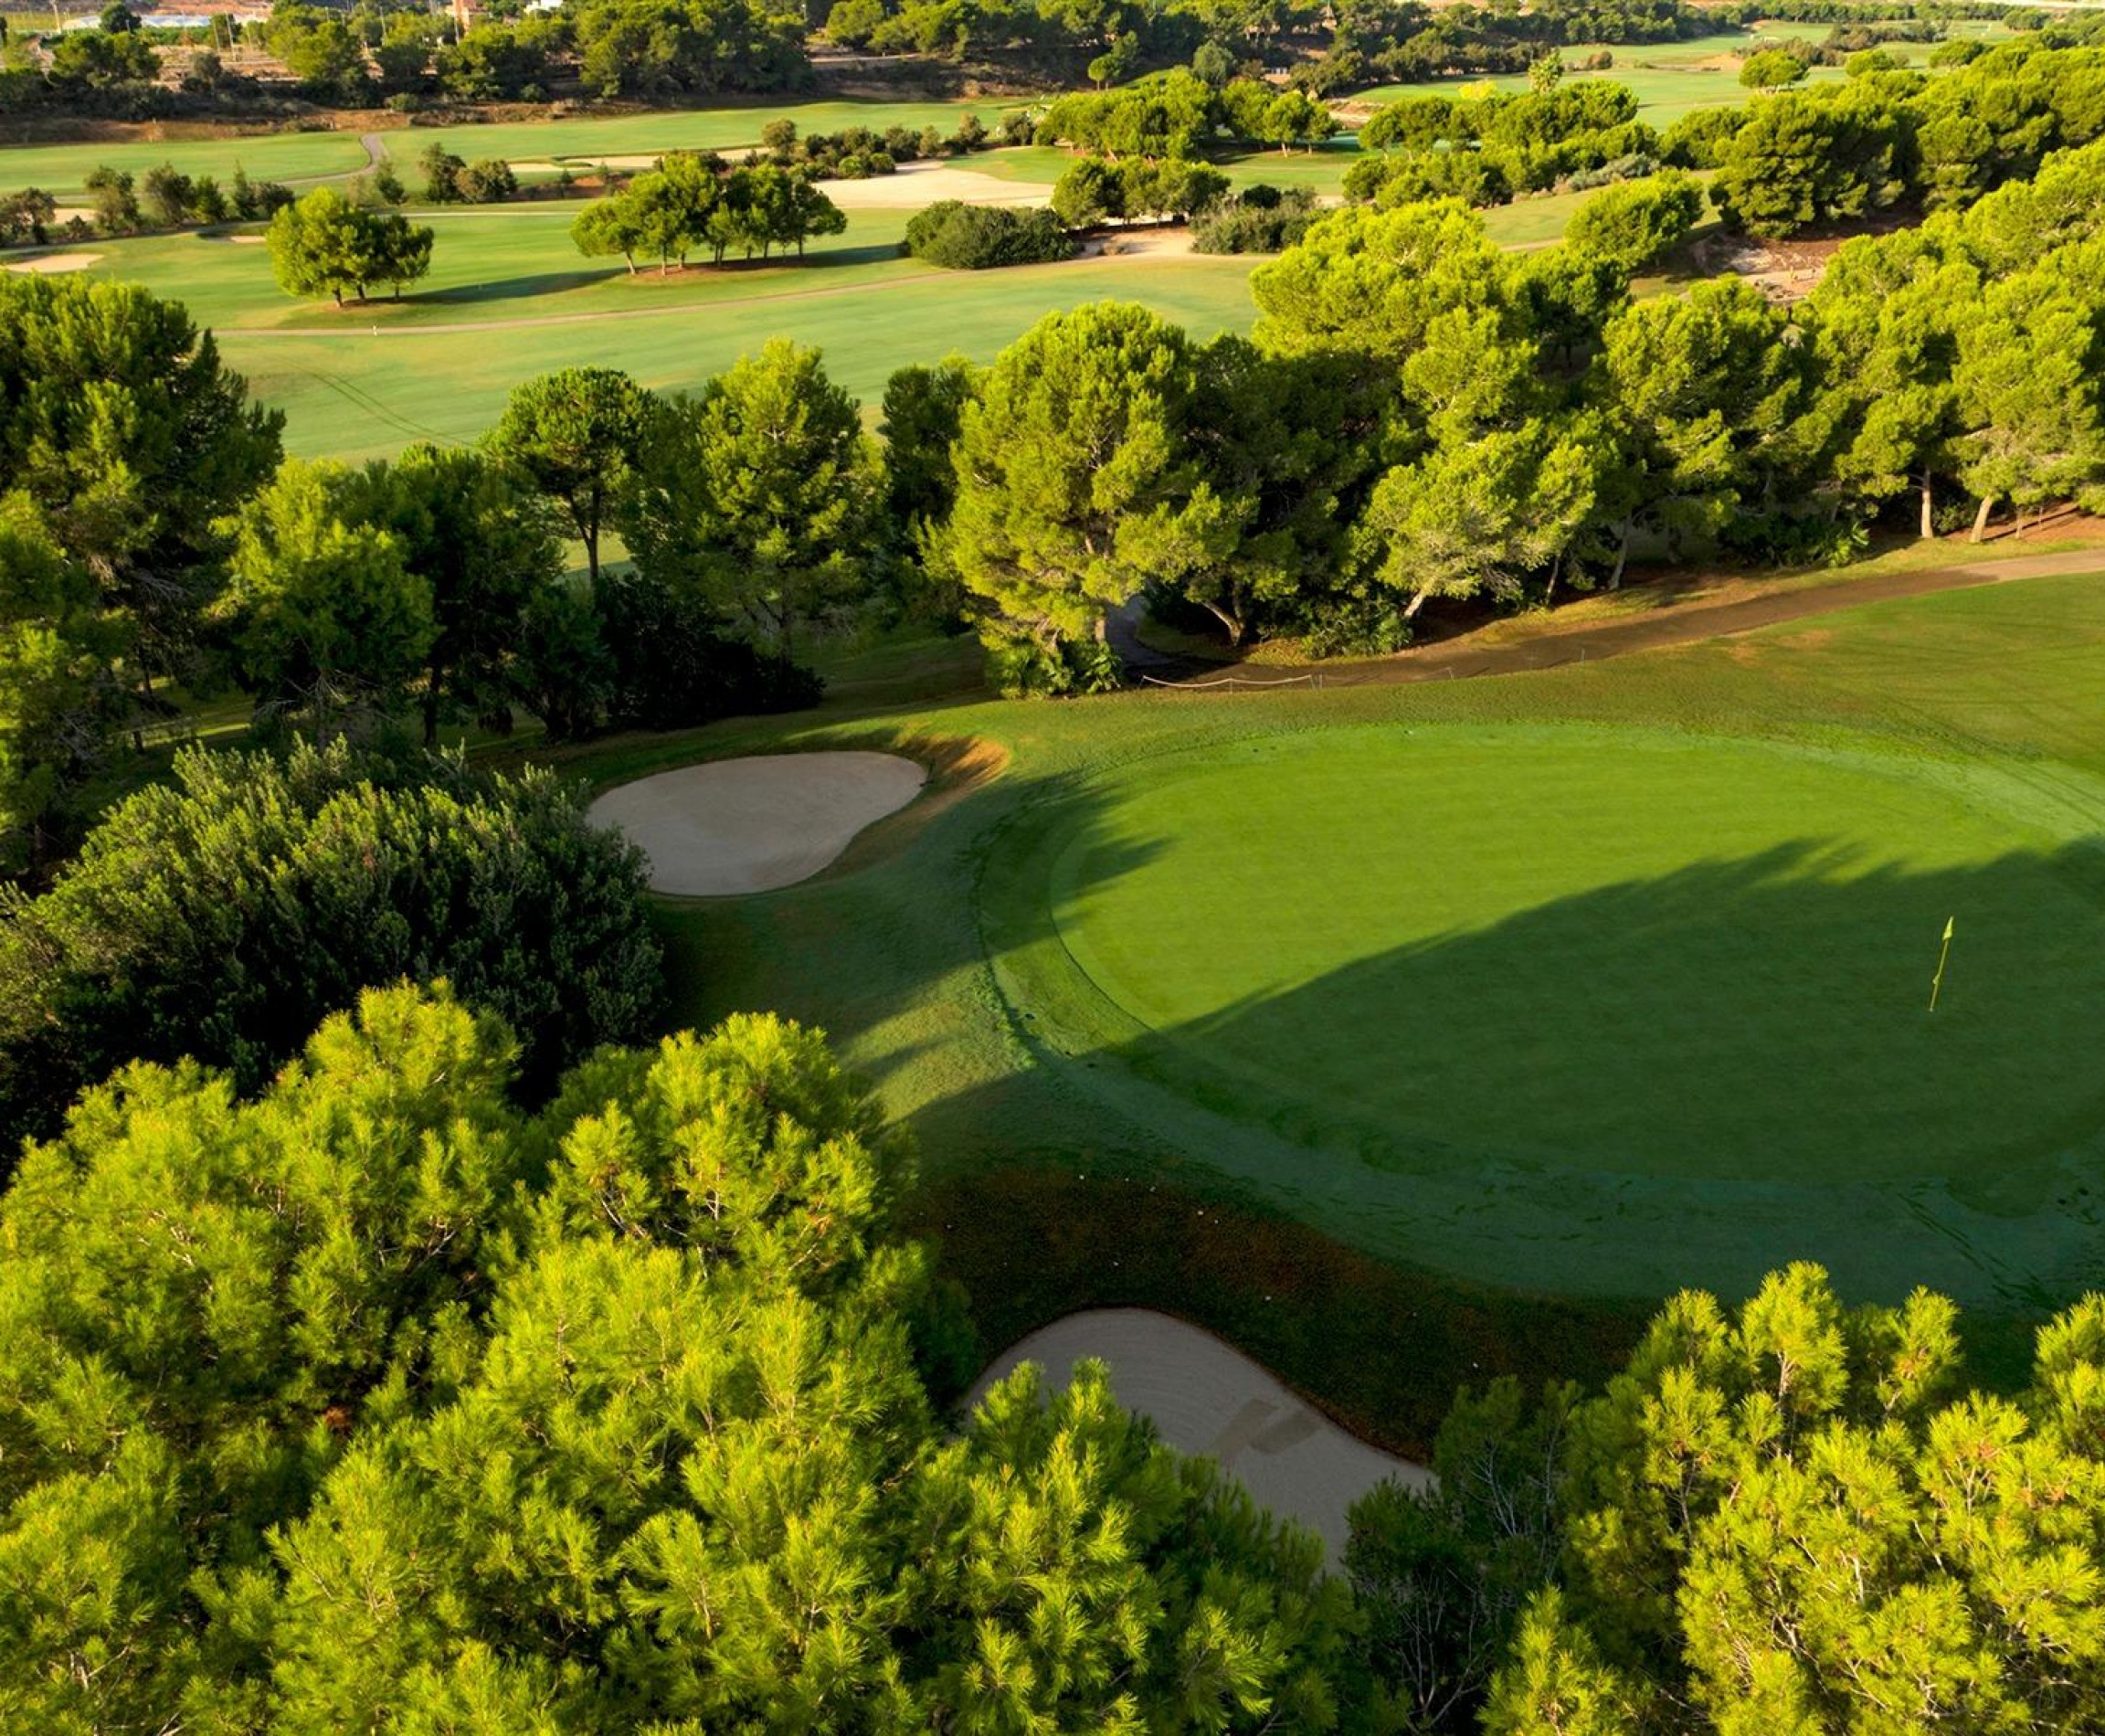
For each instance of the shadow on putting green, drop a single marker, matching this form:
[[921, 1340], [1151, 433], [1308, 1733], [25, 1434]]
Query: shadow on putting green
[[1760, 1020]]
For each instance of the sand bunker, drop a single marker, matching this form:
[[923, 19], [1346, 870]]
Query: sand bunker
[[47, 264], [1139, 244], [911, 188], [1205, 1396], [915, 186], [750, 825]]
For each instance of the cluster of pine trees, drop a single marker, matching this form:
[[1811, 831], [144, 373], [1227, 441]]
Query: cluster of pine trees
[[1485, 149], [1421, 415], [369, 1399], [376, 1403], [690, 201]]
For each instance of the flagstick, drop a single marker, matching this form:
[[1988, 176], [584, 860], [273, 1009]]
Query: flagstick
[[1943, 953]]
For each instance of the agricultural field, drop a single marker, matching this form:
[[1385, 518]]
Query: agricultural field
[[1593, 982]]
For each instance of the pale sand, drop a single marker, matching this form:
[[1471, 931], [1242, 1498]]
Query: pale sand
[[1162, 243], [1205, 1396], [47, 264], [250, 240], [915, 186], [908, 188], [750, 825]]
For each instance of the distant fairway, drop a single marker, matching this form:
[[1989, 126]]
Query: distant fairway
[[509, 297], [1627, 953]]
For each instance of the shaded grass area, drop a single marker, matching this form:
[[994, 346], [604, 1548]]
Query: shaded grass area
[[1382, 1348], [1659, 955], [1038, 1162]]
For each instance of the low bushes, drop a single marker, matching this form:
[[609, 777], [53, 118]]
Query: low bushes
[[972, 237], [1259, 220]]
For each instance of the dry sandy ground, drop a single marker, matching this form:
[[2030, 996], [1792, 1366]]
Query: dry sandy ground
[[909, 188], [1205, 1396], [750, 825], [47, 264], [916, 184], [1160, 243]]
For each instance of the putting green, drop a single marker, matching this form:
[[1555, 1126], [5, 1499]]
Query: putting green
[[1616, 953]]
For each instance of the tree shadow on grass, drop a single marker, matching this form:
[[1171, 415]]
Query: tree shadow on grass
[[1494, 1150], [518, 289], [1764, 1019]]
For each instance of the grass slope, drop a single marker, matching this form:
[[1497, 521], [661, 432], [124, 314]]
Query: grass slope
[[1954, 742]]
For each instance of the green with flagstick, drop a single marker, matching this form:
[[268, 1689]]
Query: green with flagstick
[[1943, 952]]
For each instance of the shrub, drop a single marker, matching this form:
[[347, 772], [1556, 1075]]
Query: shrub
[[487, 182], [972, 237], [1260, 219], [221, 918], [1024, 666]]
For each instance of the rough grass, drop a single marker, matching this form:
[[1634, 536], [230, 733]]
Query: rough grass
[[1040, 1142]]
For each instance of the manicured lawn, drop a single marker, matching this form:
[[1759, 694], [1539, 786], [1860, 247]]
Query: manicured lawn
[[59, 169], [1655, 957], [1669, 79], [509, 296], [729, 127], [1349, 1020]]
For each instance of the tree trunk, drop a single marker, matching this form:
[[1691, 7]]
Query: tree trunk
[[1233, 626], [431, 710], [1621, 558], [592, 553], [1929, 507], [1981, 518], [1417, 602]]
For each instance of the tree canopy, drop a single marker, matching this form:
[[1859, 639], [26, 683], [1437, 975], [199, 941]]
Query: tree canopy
[[408, 1410], [219, 917], [761, 492], [324, 245]]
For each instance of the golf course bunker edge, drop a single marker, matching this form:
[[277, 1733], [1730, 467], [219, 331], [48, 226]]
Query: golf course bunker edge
[[731, 826], [1203, 1395]]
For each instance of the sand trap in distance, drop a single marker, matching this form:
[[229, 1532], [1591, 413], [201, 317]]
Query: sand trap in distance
[[50, 264], [1205, 1396], [732, 826]]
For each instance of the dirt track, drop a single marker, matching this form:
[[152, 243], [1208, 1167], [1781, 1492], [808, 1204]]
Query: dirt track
[[1670, 625]]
